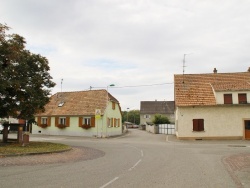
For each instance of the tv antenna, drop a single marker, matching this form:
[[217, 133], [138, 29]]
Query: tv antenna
[[61, 84], [183, 66]]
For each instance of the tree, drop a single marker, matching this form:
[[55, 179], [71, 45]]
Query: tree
[[159, 119], [25, 81], [132, 116]]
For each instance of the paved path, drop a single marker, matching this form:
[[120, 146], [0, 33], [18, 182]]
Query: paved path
[[139, 159]]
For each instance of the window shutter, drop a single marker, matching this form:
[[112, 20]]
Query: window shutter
[[228, 99], [195, 124], [113, 105], [49, 121], [56, 121], [80, 121], [242, 98], [67, 121], [118, 122], [115, 122], [92, 122], [38, 121], [201, 124]]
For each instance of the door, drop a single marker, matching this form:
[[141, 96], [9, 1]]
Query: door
[[247, 129]]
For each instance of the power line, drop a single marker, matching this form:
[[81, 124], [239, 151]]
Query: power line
[[146, 85]]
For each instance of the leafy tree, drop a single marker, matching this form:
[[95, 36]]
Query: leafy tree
[[25, 81], [159, 119], [132, 116]]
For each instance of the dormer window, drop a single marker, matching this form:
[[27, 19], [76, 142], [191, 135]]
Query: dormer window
[[242, 97], [228, 99]]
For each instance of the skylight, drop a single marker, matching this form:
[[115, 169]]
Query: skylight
[[60, 104]]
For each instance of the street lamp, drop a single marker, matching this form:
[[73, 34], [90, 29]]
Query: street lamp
[[127, 114]]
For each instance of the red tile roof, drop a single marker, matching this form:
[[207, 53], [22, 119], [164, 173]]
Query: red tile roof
[[197, 89], [77, 103]]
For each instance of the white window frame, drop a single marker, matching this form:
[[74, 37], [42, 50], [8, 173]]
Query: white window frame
[[44, 120], [62, 120], [87, 120]]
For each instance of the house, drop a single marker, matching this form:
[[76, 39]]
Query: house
[[212, 106], [148, 110], [81, 113]]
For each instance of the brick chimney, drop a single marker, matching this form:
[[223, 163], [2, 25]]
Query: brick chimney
[[215, 70]]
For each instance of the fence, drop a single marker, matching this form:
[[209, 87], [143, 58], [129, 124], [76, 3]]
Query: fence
[[166, 129]]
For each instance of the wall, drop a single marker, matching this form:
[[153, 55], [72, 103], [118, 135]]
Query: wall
[[152, 129], [220, 122]]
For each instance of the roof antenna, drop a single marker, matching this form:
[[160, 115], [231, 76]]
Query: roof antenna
[[62, 102], [61, 84], [183, 66]]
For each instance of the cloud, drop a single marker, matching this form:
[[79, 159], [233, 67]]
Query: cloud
[[133, 42]]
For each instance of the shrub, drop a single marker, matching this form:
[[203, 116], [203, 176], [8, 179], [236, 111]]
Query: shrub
[[159, 119]]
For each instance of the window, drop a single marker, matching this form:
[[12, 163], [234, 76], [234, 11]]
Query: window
[[44, 121], [228, 99], [62, 121], [117, 122], [86, 121], [198, 124], [113, 105], [242, 98], [146, 116]]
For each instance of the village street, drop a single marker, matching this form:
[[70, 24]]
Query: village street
[[137, 159]]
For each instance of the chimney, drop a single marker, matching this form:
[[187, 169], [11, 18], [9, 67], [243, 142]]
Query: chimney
[[215, 70]]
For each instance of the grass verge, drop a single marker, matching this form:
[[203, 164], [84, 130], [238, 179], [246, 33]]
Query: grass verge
[[31, 148]]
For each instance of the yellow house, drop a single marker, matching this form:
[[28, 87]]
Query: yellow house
[[212, 106], [80, 113]]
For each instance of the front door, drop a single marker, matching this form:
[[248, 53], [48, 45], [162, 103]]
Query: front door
[[247, 129]]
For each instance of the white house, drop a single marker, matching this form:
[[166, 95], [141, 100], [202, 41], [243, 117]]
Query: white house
[[81, 113], [212, 106]]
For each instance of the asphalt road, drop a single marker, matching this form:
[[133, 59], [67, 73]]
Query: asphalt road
[[138, 159]]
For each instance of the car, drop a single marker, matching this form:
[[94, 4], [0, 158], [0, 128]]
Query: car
[[135, 126], [2, 127]]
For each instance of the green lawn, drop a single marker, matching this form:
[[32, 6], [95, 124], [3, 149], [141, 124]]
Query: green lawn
[[13, 148]]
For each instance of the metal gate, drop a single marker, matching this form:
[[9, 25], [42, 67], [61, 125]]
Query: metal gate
[[167, 129]]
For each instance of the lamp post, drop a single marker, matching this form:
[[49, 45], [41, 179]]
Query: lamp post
[[111, 85], [127, 114]]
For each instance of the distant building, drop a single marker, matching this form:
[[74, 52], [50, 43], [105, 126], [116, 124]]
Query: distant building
[[149, 109]]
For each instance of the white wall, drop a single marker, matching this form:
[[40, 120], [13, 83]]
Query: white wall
[[219, 121], [220, 96]]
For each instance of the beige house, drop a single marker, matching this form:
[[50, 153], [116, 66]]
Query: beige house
[[212, 106], [148, 110], [81, 113]]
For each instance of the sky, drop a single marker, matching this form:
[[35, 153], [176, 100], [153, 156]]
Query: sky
[[137, 45]]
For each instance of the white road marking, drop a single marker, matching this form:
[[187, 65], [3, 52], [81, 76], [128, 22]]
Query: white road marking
[[134, 165], [113, 180]]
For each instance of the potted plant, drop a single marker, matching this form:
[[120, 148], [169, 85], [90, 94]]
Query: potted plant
[[86, 126]]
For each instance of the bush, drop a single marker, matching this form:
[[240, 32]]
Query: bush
[[159, 119]]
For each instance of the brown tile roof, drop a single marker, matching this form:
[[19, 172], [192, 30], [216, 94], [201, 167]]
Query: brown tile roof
[[157, 107], [77, 103], [197, 89]]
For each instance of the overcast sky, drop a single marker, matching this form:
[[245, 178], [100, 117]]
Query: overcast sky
[[138, 45]]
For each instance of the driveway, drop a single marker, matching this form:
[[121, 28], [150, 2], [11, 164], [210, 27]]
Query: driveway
[[138, 159]]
